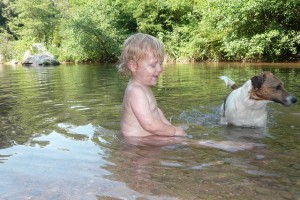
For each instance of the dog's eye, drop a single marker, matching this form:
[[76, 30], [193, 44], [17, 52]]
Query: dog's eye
[[278, 87]]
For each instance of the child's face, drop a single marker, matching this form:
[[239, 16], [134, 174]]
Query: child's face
[[148, 70]]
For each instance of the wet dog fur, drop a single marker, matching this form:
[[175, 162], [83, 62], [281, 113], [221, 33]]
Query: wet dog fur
[[246, 105]]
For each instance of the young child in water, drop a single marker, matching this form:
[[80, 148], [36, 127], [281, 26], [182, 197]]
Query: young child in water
[[142, 57], [143, 123]]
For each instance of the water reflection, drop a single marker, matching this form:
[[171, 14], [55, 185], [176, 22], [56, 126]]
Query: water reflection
[[69, 164], [59, 137], [244, 133], [135, 166]]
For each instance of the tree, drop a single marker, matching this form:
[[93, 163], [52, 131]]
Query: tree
[[192, 30], [89, 32], [252, 29], [36, 20]]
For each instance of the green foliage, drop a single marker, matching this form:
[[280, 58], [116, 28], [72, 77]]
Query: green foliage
[[172, 21], [256, 29], [2, 18], [6, 39], [90, 33], [29, 22], [192, 30], [6, 45], [36, 20]]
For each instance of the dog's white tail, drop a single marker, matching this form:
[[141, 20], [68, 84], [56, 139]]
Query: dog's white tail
[[228, 82]]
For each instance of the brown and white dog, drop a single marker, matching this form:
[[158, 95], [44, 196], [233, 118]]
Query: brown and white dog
[[246, 105]]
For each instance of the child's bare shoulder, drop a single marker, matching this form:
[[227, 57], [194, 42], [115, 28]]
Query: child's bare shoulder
[[135, 92], [135, 89]]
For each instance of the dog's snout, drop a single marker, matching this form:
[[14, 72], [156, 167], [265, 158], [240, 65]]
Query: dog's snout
[[294, 99], [290, 100]]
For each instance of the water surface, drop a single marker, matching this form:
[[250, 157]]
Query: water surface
[[59, 137]]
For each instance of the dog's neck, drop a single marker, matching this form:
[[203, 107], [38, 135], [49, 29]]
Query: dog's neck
[[252, 98]]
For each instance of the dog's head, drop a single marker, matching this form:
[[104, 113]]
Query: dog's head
[[268, 87]]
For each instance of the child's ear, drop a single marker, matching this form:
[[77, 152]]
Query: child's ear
[[132, 65]]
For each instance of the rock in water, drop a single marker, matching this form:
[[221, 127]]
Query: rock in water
[[41, 57]]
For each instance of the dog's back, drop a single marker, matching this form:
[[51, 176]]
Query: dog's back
[[239, 110]]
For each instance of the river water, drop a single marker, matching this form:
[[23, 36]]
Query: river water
[[59, 137]]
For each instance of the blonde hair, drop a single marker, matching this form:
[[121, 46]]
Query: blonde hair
[[137, 47]]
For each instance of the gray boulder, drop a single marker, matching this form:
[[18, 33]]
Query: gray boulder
[[40, 57]]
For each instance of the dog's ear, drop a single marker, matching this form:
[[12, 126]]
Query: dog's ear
[[257, 81]]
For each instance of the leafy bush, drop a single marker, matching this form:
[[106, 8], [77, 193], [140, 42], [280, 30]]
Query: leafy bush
[[218, 30]]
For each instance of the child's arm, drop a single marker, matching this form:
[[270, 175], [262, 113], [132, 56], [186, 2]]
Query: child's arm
[[179, 130], [151, 121], [164, 119]]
